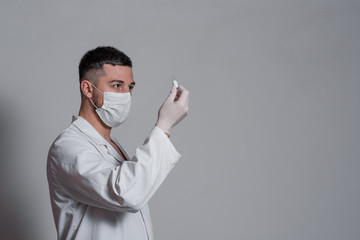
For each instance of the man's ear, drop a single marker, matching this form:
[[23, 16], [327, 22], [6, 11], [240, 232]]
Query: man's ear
[[86, 88]]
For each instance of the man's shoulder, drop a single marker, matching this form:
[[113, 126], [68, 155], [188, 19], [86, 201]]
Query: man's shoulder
[[69, 142], [71, 133]]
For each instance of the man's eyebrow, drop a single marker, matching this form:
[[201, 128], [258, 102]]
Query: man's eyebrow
[[120, 81], [117, 81]]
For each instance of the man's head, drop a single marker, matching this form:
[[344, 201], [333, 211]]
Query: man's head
[[92, 63], [101, 70]]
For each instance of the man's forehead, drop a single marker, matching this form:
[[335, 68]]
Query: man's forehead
[[118, 72]]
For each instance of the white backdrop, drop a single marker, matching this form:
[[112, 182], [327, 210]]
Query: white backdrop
[[271, 146]]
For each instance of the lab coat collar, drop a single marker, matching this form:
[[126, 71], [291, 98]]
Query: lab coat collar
[[85, 127]]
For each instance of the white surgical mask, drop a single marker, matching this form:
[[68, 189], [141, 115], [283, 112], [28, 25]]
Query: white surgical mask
[[115, 108]]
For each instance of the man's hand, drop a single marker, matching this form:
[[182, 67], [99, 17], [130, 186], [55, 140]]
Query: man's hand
[[174, 109]]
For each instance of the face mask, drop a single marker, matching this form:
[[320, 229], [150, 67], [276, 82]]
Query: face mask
[[115, 108]]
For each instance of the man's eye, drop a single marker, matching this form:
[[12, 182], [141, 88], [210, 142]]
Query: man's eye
[[131, 87], [116, 85]]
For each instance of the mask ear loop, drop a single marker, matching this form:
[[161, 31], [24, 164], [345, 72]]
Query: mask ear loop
[[91, 99], [93, 103], [96, 88]]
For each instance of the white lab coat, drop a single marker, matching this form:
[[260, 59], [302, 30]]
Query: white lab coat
[[97, 195]]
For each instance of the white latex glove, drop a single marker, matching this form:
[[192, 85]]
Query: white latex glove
[[174, 109]]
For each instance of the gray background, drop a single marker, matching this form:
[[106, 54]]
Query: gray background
[[271, 146]]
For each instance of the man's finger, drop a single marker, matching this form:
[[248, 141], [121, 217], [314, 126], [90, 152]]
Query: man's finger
[[172, 93], [184, 94]]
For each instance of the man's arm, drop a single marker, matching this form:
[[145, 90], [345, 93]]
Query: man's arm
[[88, 178]]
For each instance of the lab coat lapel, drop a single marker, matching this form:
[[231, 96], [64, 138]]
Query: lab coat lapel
[[113, 152], [85, 127], [121, 148]]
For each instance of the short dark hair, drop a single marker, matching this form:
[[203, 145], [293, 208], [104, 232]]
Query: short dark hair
[[94, 60]]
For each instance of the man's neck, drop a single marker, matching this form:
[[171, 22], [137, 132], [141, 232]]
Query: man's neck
[[96, 122]]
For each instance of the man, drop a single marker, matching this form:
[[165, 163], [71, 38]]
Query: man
[[96, 190]]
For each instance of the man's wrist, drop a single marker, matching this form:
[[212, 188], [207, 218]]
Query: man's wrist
[[163, 127]]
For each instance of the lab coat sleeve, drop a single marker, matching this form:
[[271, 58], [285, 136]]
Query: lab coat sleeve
[[85, 176]]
